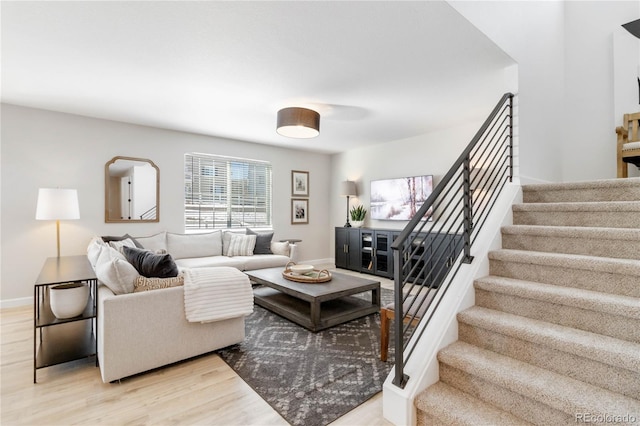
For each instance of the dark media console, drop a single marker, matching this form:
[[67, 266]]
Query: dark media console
[[368, 250]]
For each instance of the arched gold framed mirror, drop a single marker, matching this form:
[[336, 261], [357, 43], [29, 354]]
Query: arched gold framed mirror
[[131, 190]]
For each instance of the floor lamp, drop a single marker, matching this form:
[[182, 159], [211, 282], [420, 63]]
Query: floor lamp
[[348, 190], [57, 204]]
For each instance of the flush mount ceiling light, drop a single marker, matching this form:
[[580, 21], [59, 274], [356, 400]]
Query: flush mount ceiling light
[[298, 122]]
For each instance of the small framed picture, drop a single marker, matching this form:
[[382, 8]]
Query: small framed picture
[[299, 211], [299, 183]]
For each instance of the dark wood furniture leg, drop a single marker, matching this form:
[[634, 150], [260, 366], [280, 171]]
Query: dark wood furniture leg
[[385, 317]]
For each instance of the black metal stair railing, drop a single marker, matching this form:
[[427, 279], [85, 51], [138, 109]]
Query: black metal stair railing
[[445, 227]]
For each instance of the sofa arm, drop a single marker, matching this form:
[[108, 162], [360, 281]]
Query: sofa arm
[[138, 332]]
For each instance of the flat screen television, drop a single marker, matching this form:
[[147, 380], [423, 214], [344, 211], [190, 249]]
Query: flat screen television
[[399, 198]]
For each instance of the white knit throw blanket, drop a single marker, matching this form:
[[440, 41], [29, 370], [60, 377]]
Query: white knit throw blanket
[[217, 293]]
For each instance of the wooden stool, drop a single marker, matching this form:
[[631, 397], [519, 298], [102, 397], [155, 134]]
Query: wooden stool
[[628, 143], [415, 312]]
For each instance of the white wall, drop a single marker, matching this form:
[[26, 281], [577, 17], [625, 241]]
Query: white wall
[[532, 34], [589, 78], [626, 72], [46, 149], [433, 153], [564, 52]]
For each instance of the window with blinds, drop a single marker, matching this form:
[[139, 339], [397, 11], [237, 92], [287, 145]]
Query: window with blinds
[[226, 192]]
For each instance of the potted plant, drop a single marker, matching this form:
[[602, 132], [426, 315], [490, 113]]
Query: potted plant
[[357, 214]]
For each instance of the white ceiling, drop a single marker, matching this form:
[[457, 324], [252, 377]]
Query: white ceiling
[[376, 71]]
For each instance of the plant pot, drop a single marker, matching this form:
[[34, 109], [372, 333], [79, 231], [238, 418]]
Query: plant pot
[[68, 300], [357, 223]]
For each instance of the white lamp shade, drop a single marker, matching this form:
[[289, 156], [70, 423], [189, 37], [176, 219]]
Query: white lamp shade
[[348, 188], [57, 204]]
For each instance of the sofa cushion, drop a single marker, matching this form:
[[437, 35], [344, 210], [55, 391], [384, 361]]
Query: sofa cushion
[[94, 249], [113, 270], [107, 239], [154, 242], [261, 261], [121, 243], [150, 264], [182, 246], [226, 241], [263, 241], [200, 262], [145, 284], [281, 248], [241, 245]]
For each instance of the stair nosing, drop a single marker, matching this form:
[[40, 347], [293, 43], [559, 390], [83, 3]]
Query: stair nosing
[[579, 207], [591, 184], [576, 232]]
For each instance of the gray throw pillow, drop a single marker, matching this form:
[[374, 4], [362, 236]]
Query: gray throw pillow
[[149, 264], [263, 242]]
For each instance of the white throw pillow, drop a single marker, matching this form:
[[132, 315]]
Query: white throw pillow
[[113, 270], [226, 241], [184, 246], [94, 249], [281, 248], [119, 244], [154, 242], [241, 245]]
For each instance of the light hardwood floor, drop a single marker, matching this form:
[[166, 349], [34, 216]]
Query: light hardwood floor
[[203, 390]]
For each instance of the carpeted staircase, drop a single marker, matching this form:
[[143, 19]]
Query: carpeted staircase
[[554, 337]]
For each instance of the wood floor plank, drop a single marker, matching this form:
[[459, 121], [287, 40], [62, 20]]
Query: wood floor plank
[[203, 390]]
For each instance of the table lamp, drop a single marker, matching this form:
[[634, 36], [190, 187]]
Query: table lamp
[[57, 204], [348, 190]]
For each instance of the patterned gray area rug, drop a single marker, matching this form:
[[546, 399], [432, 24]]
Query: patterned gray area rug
[[310, 378]]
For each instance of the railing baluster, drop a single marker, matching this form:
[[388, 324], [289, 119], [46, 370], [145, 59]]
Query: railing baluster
[[468, 215]]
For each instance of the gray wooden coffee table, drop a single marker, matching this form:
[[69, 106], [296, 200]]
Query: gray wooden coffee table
[[315, 306]]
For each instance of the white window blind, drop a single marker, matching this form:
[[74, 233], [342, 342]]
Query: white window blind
[[226, 192]]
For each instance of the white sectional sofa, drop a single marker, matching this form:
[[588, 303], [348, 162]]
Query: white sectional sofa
[[142, 330]]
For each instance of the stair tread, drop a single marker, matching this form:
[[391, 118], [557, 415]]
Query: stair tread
[[575, 261], [600, 233], [605, 349], [613, 304], [591, 184], [454, 406], [591, 206], [560, 392]]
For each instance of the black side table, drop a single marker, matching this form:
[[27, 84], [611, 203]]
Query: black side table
[[68, 339]]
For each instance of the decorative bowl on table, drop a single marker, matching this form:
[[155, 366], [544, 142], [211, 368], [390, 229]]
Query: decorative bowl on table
[[69, 300], [301, 269]]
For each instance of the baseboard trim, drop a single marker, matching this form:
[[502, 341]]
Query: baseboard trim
[[15, 303], [317, 262], [528, 180]]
